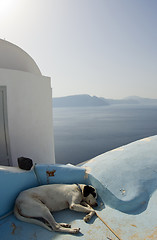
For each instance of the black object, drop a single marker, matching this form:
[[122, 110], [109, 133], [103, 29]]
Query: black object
[[25, 163]]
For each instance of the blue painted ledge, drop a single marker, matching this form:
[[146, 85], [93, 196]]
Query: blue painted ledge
[[126, 181]]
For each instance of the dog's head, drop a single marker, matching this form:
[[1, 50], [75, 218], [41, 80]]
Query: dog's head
[[90, 195]]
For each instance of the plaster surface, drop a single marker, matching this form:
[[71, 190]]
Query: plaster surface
[[29, 106], [125, 179], [15, 58]]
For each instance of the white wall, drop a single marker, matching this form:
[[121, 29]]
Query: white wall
[[15, 58], [29, 103]]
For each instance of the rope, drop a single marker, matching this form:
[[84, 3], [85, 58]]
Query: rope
[[108, 227]]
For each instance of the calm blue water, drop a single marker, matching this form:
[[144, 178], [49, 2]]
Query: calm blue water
[[83, 133]]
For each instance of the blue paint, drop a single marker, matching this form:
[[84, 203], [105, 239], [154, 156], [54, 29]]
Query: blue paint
[[49, 174], [126, 181], [12, 182], [133, 169]]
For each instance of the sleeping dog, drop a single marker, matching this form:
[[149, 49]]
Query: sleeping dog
[[36, 204]]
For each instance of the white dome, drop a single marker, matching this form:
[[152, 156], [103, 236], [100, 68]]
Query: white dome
[[14, 58]]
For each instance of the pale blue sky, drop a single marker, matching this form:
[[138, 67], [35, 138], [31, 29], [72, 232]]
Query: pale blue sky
[[106, 48]]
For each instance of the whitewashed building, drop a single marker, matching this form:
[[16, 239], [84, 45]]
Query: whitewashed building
[[26, 126]]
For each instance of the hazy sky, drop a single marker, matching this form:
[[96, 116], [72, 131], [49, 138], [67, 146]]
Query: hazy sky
[[106, 48]]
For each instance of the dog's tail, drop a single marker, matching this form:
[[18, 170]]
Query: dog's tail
[[29, 219]]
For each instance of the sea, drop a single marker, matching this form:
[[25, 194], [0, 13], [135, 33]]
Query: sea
[[82, 133]]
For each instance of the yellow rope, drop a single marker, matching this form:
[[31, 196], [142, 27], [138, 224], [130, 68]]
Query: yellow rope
[[108, 227]]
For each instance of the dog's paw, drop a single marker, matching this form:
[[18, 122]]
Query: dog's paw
[[75, 230], [87, 218]]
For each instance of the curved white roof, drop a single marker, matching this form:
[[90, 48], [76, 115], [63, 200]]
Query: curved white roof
[[14, 58]]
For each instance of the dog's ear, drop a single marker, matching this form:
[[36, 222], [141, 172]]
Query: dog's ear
[[87, 190]]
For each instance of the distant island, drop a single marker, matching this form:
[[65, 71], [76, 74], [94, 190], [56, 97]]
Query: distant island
[[85, 100]]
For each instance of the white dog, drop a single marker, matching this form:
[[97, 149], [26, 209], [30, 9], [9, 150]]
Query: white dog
[[36, 204]]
